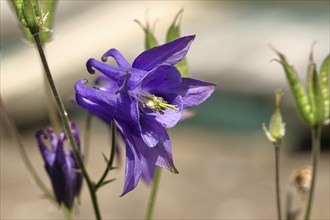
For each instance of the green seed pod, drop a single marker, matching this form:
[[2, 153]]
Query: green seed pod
[[33, 20], [299, 93], [173, 33], [315, 92], [324, 83]]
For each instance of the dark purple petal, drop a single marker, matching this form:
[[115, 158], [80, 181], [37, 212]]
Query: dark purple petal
[[105, 84], [64, 175], [103, 98], [194, 91], [114, 73], [46, 153], [162, 78], [121, 61], [166, 54], [133, 168], [148, 171], [160, 155], [96, 109]]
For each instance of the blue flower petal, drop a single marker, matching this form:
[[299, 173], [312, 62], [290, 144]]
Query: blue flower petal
[[133, 169], [166, 54], [194, 91], [163, 78], [114, 73], [121, 61]]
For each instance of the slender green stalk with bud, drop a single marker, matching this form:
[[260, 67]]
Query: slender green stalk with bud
[[30, 15], [313, 107], [275, 134]]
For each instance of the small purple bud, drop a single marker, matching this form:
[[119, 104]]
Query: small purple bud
[[61, 165]]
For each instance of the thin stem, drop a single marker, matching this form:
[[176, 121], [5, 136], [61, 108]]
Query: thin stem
[[65, 120], [277, 180], [67, 213], [10, 124], [87, 136], [153, 194], [289, 213], [52, 111], [316, 139], [112, 156]]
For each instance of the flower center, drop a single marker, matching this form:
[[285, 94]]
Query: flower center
[[156, 104]]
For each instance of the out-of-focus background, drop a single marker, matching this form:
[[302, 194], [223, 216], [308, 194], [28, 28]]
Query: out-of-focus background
[[225, 161]]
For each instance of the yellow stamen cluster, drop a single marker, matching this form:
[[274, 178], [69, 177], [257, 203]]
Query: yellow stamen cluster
[[157, 104]]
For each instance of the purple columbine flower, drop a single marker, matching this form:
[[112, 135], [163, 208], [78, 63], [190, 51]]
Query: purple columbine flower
[[61, 165], [143, 99]]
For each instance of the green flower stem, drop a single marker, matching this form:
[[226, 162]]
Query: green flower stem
[[87, 137], [112, 156], [316, 139], [67, 213], [277, 180], [153, 194], [289, 200], [10, 124], [65, 120], [52, 111]]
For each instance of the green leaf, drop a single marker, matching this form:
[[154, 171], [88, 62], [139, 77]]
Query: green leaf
[[299, 93], [105, 158], [150, 40], [324, 83], [173, 33], [106, 182]]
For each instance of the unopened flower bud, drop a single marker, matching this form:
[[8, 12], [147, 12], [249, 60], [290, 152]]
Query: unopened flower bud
[[276, 129], [61, 165]]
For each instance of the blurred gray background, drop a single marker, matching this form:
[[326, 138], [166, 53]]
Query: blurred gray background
[[224, 159]]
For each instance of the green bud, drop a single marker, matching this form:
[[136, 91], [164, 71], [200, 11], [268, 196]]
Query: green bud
[[150, 39], [298, 90], [33, 20], [276, 129], [174, 30], [173, 33], [324, 83]]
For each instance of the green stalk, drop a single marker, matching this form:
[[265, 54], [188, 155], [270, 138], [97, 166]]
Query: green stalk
[[87, 137], [10, 124], [316, 139], [153, 194], [277, 180], [65, 120], [52, 112], [112, 156]]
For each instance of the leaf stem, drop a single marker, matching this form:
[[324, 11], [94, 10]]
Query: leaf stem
[[112, 156], [65, 120], [153, 194], [10, 124], [316, 139]]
